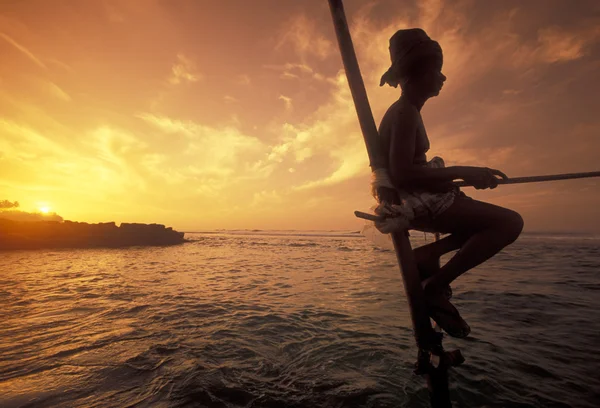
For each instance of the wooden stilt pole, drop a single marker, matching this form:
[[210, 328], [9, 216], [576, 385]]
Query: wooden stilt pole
[[433, 361]]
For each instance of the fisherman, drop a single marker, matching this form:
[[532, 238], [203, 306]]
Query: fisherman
[[478, 230]]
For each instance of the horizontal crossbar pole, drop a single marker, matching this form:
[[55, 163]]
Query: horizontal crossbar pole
[[536, 179]]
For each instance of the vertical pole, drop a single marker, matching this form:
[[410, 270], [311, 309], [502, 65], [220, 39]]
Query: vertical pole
[[427, 339]]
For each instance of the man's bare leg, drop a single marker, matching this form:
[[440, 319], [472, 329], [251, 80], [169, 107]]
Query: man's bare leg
[[489, 229], [480, 230], [428, 256]]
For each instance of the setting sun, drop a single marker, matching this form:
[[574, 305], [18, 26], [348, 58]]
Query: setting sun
[[45, 209]]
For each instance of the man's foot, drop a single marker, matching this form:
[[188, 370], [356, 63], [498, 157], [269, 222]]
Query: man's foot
[[444, 313]]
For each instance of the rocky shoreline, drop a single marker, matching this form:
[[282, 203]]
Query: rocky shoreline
[[70, 234]]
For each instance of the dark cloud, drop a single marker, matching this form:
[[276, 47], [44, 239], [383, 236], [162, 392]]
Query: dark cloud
[[8, 204]]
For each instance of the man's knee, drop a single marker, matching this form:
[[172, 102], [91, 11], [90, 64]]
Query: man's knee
[[513, 226]]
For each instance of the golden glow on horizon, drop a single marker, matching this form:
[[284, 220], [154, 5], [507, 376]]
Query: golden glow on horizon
[[207, 115], [45, 210]]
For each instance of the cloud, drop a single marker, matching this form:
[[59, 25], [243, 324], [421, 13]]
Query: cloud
[[287, 102], [552, 45], [166, 124], [184, 70], [24, 50], [266, 198], [61, 64], [291, 70], [559, 45], [279, 151], [216, 152], [57, 91], [116, 146], [330, 133], [25, 143], [353, 161], [302, 34], [244, 79]]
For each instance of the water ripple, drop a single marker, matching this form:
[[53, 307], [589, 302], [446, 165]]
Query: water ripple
[[242, 320]]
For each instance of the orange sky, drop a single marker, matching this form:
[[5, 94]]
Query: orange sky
[[236, 114]]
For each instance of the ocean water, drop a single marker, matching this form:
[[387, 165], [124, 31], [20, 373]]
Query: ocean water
[[290, 319]]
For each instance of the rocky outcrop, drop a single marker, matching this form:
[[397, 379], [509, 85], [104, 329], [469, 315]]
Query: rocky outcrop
[[69, 234]]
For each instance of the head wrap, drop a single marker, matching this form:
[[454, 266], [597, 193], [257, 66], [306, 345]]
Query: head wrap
[[408, 50]]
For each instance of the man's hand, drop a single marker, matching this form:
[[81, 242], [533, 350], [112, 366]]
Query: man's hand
[[481, 177]]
